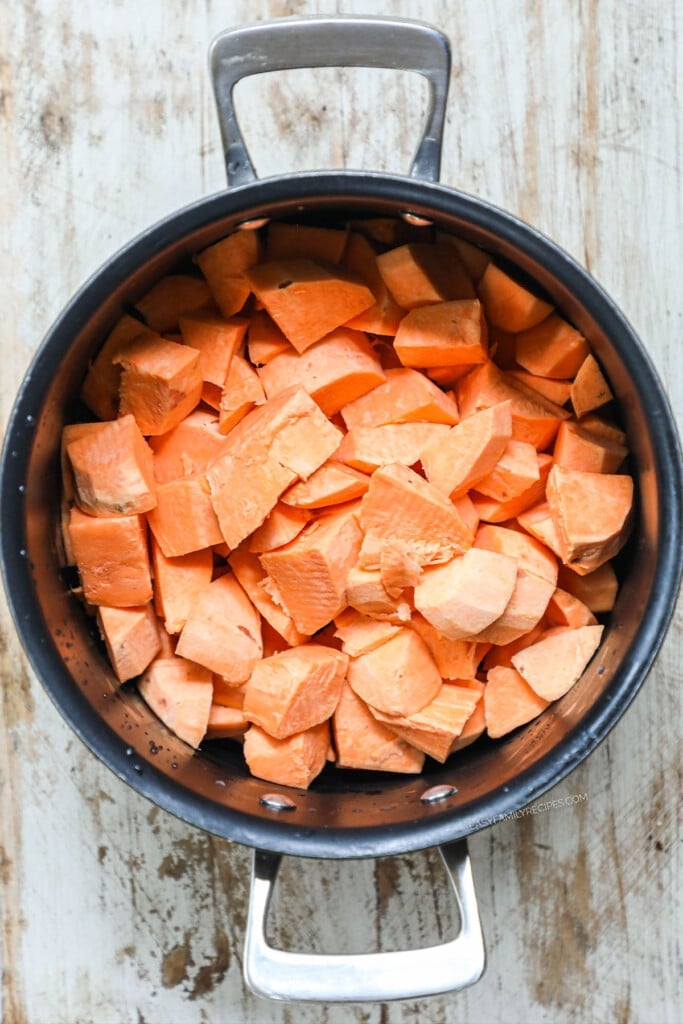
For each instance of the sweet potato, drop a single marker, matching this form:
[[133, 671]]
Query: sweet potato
[[177, 582], [553, 664], [293, 761], [469, 451], [384, 315], [419, 274], [223, 265], [241, 392], [307, 300], [217, 340], [551, 349], [113, 469], [251, 576], [361, 633], [509, 304], [160, 384], [399, 677], [335, 370], [403, 507], [591, 513], [112, 559], [188, 448], [294, 690], [437, 726], [275, 444], [467, 594], [223, 631], [368, 448], [131, 636], [590, 390], [170, 298], [179, 692], [363, 742], [332, 484], [282, 524], [266, 340], [509, 701], [184, 519], [310, 572], [443, 334], [406, 396]]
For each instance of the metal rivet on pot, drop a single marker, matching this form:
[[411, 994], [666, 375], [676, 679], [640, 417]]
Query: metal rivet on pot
[[277, 802], [253, 224], [416, 219], [434, 793]]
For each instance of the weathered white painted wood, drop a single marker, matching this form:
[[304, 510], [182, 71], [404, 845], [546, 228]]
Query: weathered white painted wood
[[569, 115]]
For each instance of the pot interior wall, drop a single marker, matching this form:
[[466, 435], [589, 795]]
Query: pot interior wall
[[213, 788]]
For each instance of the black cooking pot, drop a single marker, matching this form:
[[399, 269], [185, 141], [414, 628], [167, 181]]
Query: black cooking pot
[[344, 814]]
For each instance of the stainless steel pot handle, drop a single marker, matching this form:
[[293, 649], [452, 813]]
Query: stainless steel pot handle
[[407, 974], [336, 41]]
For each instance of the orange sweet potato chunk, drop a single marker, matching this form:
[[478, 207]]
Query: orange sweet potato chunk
[[403, 507], [184, 519], [285, 439], [399, 677], [304, 241], [474, 259], [443, 334], [525, 609], [515, 471], [508, 304], [131, 636], [332, 484], [469, 451], [455, 659], [225, 723], [366, 593], [179, 693], [241, 392], [310, 572], [223, 265], [554, 663], [307, 300], [421, 273], [251, 576], [534, 419], [577, 448], [406, 396], [464, 596], [397, 567], [283, 523], [368, 448], [529, 553], [100, 388], [361, 633], [509, 701], [160, 384], [295, 690], [217, 340], [334, 371], [265, 339], [384, 316], [491, 511], [113, 469], [177, 581], [564, 609], [188, 448], [556, 391], [590, 390], [223, 631], [551, 349], [591, 513], [112, 558], [435, 728], [597, 589], [294, 761], [363, 742], [170, 298]]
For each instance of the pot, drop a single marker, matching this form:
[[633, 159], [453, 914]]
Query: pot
[[345, 814]]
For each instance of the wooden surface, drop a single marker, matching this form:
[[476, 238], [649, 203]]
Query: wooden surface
[[567, 113]]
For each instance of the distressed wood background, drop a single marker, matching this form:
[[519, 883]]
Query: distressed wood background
[[567, 113]]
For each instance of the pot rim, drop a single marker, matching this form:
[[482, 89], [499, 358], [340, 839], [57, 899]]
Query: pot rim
[[439, 826]]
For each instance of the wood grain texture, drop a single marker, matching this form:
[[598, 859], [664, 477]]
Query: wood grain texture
[[568, 114]]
